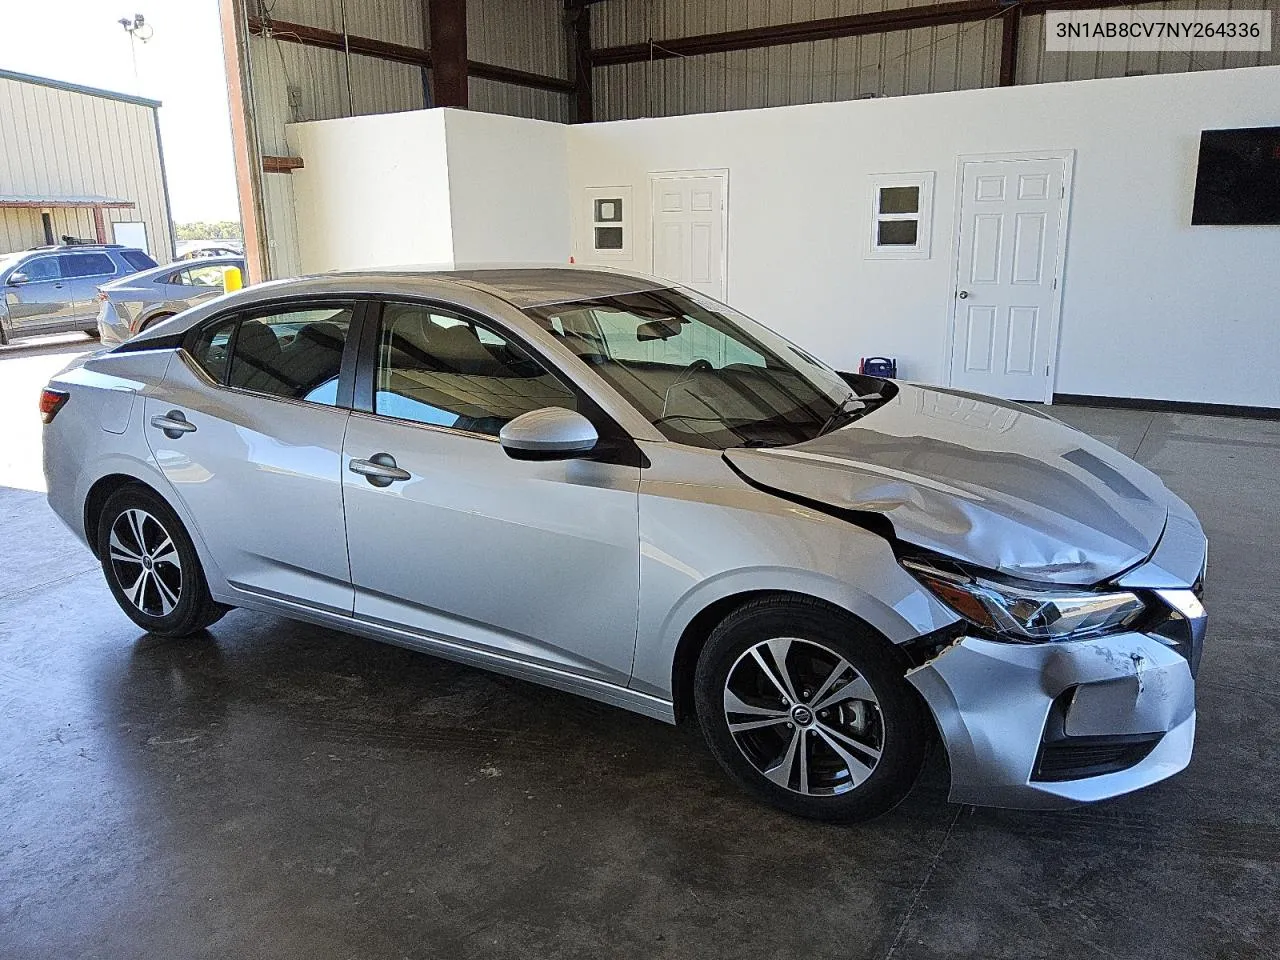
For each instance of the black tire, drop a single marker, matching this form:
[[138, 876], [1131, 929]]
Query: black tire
[[892, 719], [169, 596], [154, 320]]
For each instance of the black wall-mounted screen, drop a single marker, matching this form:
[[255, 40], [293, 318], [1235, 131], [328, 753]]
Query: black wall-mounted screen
[[1238, 179]]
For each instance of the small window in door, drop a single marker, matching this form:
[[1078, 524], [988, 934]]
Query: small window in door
[[901, 221], [450, 371], [610, 227], [295, 354], [87, 265], [211, 349]]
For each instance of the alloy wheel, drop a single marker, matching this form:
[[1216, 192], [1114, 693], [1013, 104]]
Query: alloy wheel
[[145, 562], [803, 716]]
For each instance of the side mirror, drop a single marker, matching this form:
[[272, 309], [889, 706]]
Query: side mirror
[[18, 279], [552, 433]]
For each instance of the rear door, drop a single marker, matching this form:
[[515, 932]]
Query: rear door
[[43, 301], [84, 272], [247, 427]]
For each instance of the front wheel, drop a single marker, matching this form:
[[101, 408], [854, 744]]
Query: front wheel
[[151, 565], [809, 710]]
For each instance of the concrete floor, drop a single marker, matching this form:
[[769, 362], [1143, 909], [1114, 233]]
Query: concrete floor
[[278, 790]]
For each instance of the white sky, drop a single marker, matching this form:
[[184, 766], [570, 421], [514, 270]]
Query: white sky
[[81, 41]]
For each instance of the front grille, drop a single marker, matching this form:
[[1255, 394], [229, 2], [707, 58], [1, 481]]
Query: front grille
[[1075, 758]]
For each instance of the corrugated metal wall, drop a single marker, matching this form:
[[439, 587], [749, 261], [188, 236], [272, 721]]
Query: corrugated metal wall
[[1036, 65], [914, 61], [57, 142], [291, 82], [525, 35]]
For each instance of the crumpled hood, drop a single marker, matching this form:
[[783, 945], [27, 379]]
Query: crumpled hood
[[995, 484]]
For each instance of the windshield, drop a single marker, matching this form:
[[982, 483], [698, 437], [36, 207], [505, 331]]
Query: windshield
[[700, 372]]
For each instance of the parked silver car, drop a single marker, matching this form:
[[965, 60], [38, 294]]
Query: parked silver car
[[626, 490], [51, 289], [134, 303]]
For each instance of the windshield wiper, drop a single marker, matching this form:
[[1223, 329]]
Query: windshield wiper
[[842, 410]]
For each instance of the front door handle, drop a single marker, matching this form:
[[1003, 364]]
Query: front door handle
[[173, 423], [380, 470], [963, 294]]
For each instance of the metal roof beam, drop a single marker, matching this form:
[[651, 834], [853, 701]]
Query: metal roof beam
[[829, 28]]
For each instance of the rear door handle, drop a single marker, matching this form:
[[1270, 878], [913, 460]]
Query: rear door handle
[[173, 423], [380, 470]]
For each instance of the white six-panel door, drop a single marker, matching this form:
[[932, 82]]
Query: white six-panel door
[[688, 230], [1004, 330]]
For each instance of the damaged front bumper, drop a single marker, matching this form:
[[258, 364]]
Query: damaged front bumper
[[1056, 724]]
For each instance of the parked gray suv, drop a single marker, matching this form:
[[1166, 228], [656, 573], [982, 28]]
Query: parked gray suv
[[53, 289]]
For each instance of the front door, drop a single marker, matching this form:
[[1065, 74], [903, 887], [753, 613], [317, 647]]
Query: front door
[[688, 230], [1004, 334], [255, 456], [538, 562], [41, 299]]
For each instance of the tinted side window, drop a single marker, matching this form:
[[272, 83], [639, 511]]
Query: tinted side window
[[41, 268], [210, 276], [86, 265], [453, 372], [295, 354], [137, 259], [212, 349]]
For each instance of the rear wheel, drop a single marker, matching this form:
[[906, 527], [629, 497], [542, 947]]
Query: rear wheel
[[151, 565], [809, 710]]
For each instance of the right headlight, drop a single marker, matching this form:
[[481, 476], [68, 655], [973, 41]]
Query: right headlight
[[1025, 612]]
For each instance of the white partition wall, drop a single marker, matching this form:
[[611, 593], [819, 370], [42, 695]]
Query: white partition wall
[[1138, 303], [1151, 307]]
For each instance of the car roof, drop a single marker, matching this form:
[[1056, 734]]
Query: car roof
[[165, 268], [522, 287], [72, 247], [536, 286]]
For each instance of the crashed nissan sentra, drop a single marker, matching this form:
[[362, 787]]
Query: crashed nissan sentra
[[618, 487]]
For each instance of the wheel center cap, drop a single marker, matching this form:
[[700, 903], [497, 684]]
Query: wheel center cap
[[802, 715], [147, 563]]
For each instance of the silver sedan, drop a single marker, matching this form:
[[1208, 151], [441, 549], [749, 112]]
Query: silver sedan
[[623, 489], [136, 302]]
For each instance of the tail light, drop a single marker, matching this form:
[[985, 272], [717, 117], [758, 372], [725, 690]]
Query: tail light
[[102, 297], [51, 401]]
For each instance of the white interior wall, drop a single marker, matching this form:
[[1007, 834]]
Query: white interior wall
[[430, 187], [1152, 307], [373, 191], [508, 188]]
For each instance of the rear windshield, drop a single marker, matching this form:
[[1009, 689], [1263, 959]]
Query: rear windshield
[[137, 259]]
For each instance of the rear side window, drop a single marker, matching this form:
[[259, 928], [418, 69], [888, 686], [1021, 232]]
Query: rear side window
[[295, 354], [212, 349], [137, 259], [208, 276], [86, 265]]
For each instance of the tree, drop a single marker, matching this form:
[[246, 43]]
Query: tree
[[199, 230]]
